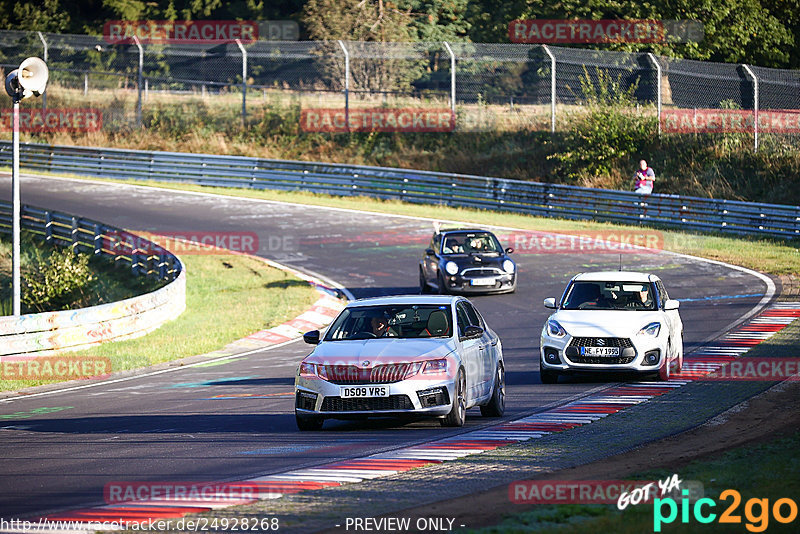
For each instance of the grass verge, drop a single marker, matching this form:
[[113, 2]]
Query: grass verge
[[767, 255], [768, 470], [227, 298]]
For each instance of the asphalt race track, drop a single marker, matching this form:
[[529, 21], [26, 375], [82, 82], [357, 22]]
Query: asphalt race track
[[58, 450]]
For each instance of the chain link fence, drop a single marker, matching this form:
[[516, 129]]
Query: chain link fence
[[485, 86]]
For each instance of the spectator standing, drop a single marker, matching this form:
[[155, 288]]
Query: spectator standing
[[644, 179]]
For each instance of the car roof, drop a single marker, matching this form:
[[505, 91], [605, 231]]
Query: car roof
[[615, 276], [405, 300], [465, 231]]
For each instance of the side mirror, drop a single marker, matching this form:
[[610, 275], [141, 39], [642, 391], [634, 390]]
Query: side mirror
[[473, 332], [509, 250], [430, 252], [312, 338], [671, 304], [550, 302]]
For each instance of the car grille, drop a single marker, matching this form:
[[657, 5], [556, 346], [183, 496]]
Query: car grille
[[350, 374], [370, 404], [621, 342], [481, 272], [608, 360]]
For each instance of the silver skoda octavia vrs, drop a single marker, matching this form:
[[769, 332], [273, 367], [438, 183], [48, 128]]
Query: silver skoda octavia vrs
[[403, 355]]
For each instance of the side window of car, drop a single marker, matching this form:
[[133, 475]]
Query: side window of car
[[474, 316], [662, 293], [463, 319], [663, 290], [436, 242]]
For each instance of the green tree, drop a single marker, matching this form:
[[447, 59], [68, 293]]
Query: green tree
[[750, 31]]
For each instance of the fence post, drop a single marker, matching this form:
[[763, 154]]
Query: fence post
[[44, 56], [74, 235], [244, 81], [657, 65], [48, 230], [552, 88], [346, 85], [452, 78], [752, 74], [139, 82], [86, 83], [98, 240]]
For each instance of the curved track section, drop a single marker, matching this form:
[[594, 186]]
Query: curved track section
[[235, 420]]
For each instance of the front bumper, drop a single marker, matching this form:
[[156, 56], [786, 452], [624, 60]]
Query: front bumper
[[501, 283], [315, 397], [641, 355]]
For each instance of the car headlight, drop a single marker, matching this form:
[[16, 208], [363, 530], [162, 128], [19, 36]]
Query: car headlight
[[413, 369], [651, 330], [555, 329], [508, 266], [435, 366], [451, 267], [308, 370]]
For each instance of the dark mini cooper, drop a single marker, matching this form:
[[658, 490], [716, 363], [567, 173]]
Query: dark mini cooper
[[467, 261]]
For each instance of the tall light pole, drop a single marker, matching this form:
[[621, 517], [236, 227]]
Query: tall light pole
[[30, 79]]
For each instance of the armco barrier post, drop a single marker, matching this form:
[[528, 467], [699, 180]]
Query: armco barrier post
[[74, 235], [98, 240], [48, 230]]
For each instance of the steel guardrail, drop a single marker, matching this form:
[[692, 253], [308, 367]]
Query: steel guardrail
[[426, 187], [36, 334]]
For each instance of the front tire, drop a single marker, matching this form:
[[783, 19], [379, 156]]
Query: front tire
[[547, 376], [308, 423], [424, 288], [664, 370], [440, 282], [497, 404], [458, 411]]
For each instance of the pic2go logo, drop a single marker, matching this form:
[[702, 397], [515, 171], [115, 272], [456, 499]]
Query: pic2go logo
[[756, 511]]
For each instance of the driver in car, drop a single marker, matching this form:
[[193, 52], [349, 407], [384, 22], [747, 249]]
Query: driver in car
[[641, 299], [477, 245]]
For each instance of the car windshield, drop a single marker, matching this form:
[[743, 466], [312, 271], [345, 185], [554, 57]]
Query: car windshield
[[637, 296], [471, 243], [401, 321]]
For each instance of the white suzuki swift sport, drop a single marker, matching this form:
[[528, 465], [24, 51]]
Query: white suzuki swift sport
[[612, 321]]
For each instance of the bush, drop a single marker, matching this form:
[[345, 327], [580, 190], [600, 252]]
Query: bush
[[58, 281], [608, 135]]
